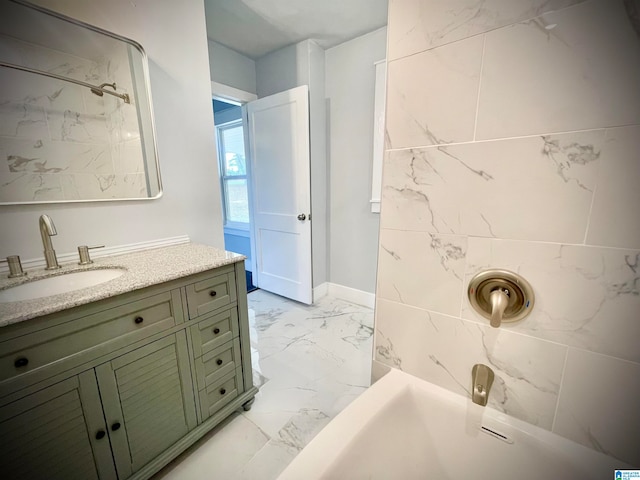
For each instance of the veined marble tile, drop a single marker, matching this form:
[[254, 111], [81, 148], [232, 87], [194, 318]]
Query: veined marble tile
[[29, 187], [503, 189], [417, 25], [279, 399], [598, 405], [22, 111], [302, 427], [615, 221], [9, 50], [269, 462], [222, 453], [585, 297], [60, 63], [74, 126], [432, 96], [422, 269], [45, 156], [574, 69], [443, 350], [81, 186]]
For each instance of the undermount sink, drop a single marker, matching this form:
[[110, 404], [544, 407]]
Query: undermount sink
[[65, 283]]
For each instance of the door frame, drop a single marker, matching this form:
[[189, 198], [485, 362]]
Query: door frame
[[235, 96]]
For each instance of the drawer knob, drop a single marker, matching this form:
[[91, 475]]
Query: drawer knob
[[213, 293], [115, 426], [216, 331], [222, 391], [219, 362], [139, 320], [21, 362], [100, 434]]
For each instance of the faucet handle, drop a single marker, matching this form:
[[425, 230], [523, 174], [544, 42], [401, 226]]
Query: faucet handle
[[499, 300], [15, 267], [83, 252]]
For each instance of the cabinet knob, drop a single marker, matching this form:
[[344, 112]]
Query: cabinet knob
[[219, 362], [213, 293], [216, 331], [139, 320], [21, 362], [115, 426], [100, 434], [222, 391]]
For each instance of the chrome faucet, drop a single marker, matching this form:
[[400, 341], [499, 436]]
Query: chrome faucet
[[482, 377], [47, 230]]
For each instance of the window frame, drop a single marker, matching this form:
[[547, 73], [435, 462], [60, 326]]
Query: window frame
[[224, 178]]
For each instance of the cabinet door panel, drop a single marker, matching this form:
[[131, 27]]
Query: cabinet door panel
[[150, 394], [51, 434]]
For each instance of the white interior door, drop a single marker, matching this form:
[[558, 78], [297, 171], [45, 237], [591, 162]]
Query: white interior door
[[281, 193]]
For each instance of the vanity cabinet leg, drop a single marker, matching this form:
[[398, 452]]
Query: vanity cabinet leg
[[247, 405]]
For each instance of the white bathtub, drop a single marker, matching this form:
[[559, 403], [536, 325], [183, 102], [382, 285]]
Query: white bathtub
[[404, 428]]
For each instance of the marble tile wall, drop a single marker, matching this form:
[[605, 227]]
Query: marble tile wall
[[513, 141], [59, 141]]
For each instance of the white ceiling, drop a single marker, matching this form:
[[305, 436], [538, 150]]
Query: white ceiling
[[257, 27]]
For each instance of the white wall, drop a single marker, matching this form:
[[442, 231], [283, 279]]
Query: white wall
[[289, 67], [517, 148], [174, 37], [318, 146], [281, 70], [231, 68], [350, 80]]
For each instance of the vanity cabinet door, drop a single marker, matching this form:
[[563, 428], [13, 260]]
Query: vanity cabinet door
[[148, 401], [56, 433]]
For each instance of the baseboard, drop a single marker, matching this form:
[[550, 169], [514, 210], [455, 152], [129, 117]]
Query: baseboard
[[320, 291], [106, 251], [359, 297]]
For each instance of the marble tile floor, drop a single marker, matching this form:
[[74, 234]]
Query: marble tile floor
[[309, 363]]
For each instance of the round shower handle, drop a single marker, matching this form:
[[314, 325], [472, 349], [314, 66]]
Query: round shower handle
[[500, 296]]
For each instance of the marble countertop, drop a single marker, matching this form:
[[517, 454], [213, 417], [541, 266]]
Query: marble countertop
[[143, 269]]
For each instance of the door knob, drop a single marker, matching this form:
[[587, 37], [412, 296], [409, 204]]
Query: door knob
[[302, 217]]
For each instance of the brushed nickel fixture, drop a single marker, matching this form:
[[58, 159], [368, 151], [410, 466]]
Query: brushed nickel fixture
[[482, 379], [15, 266], [501, 296], [97, 89], [83, 253], [47, 230]]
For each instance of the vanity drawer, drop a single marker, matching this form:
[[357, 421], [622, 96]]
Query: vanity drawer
[[87, 337], [211, 294], [214, 331], [217, 395], [217, 364]]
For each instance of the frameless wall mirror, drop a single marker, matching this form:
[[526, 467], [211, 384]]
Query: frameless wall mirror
[[76, 123]]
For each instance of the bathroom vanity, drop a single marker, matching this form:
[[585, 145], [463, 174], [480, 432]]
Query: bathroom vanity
[[114, 381]]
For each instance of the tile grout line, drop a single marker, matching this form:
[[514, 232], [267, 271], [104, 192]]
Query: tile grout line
[[512, 137]]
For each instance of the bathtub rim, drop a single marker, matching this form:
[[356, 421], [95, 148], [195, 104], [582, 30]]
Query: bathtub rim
[[322, 452]]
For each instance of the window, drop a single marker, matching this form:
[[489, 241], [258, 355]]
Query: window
[[233, 174]]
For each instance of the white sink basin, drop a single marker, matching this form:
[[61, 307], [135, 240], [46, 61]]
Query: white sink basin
[[65, 283]]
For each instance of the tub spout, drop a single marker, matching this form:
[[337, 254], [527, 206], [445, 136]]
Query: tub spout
[[482, 378]]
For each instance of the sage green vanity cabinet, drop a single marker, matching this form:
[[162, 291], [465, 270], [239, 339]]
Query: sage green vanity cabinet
[[147, 399], [118, 388], [54, 433]]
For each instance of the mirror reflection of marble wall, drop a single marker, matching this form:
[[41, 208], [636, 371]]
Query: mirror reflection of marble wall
[[61, 142]]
